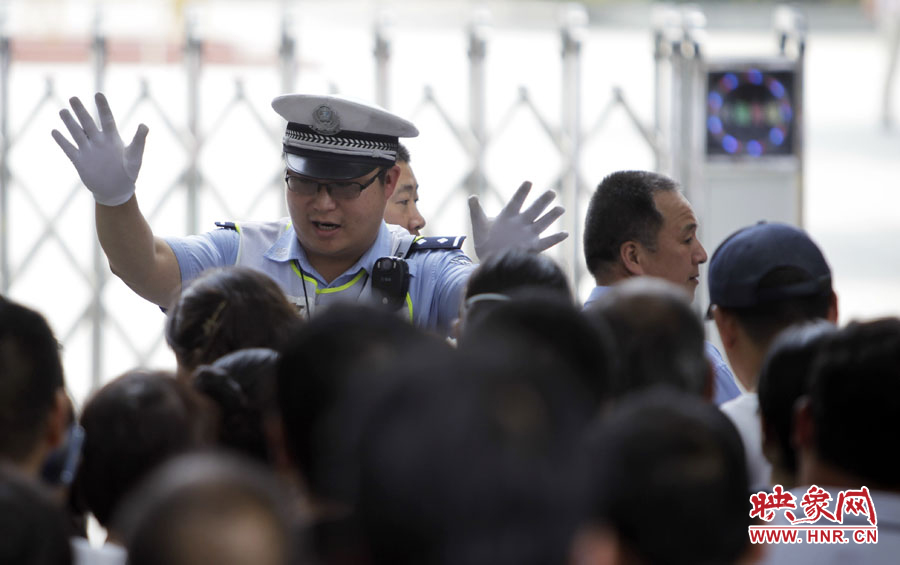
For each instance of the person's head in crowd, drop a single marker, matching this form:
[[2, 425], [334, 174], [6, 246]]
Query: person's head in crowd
[[473, 460], [762, 279], [508, 271], [224, 310], [207, 508], [241, 384], [845, 432], [639, 223], [32, 526], [402, 208], [133, 424], [547, 329], [318, 365], [783, 380], [34, 408], [668, 484], [658, 338]]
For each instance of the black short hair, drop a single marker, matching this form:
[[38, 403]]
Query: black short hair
[[319, 364], [517, 268], [784, 378], [669, 477], [402, 154], [31, 374], [179, 514], [224, 310], [622, 209], [33, 526], [855, 397], [547, 330], [765, 321], [658, 338], [473, 459], [131, 425], [241, 384]]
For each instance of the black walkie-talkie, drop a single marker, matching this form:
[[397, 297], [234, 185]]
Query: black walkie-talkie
[[390, 282]]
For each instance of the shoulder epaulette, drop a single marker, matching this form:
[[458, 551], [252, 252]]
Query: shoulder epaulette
[[437, 242], [227, 225]]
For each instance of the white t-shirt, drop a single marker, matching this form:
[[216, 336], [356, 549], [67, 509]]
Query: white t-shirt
[[744, 413], [83, 553]]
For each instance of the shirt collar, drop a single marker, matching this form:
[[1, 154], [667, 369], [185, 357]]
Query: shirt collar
[[287, 248]]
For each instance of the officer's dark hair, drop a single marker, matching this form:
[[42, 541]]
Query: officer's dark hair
[[473, 459], [241, 384], [622, 209], [317, 369], [783, 379], [548, 329], [33, 526], [31, 374], [658, 338], [131, 425], [855, 398], [224, 310], [180, 513], [402, 154], [765, 321], [669, 477]]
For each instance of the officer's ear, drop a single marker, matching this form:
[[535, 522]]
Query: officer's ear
[[391, 176]]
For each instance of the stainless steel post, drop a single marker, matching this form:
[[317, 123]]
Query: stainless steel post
[[382, 54], [476, 184], [572, 35], [5, 283], [193, 61], [98, 314]]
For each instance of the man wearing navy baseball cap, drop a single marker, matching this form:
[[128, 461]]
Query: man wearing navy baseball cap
[[340, 170], [762, 279]]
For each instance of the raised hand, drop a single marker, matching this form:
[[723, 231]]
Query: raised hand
[[106, 166], [512, 228]]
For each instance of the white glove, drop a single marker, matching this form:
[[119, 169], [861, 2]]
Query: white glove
[[513, 229], [105, 165]]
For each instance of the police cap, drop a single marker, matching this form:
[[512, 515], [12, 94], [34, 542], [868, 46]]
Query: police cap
[[333, 137]]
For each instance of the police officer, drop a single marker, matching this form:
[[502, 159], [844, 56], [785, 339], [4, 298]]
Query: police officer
[[340, 158]]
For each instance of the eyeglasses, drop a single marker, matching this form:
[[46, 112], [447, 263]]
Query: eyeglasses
[[339, 190]]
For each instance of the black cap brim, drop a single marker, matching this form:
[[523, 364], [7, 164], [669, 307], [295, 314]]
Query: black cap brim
[[327, 168]]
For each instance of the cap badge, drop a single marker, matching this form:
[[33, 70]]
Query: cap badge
[[325, 120]]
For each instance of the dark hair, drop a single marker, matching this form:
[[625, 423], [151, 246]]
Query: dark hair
[[131, 425], [514, 271], [224, 310], [516, 268], [402, 154], [622, 209], [658, 338], [472, 460], [669, 477], [31, 374], [783, 379], [182, 513], [316, 370], [763, 322], [548, 331], [241, 384], [855, 397], [34, 528]]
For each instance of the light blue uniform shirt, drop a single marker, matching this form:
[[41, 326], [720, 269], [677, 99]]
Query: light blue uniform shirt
[[724, 387], [437, 277]]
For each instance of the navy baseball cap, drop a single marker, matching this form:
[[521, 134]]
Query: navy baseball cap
[[338, 138], [742, 262]]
